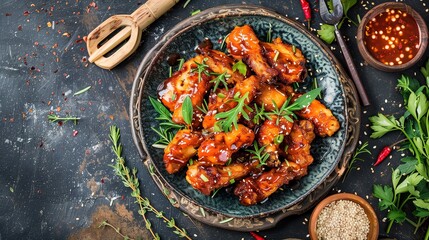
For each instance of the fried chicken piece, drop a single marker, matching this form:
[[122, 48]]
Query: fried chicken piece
[[219, 148], [299, 143], [207, 177], [270, 97], [252, 190], [222, 100], [326, 124], [221, 63], [243, 44], [185, 82], [182, 148], [271, 135], [287, 60]]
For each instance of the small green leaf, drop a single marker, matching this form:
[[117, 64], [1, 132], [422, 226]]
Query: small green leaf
[[187, 110], [241, 67], [396, 215], [347, 4], [82, 91], [385, 194], [327, 33]]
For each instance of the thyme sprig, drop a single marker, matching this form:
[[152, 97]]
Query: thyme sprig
[[230, 118], [116, 229], [130, 180], [55, 118], [259, 154]]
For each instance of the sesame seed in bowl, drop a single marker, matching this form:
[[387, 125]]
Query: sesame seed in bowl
[[343, 216]]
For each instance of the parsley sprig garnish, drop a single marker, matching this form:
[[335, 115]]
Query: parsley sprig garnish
[[230, 118]]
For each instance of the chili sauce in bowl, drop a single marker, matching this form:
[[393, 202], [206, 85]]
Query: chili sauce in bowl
[[392, 37]]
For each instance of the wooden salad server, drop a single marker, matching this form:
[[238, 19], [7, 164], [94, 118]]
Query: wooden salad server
[[132, 27]]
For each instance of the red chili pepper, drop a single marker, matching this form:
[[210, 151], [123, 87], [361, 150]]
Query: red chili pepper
[[386, 151], [307, 11], [383, 155], [256, 236]]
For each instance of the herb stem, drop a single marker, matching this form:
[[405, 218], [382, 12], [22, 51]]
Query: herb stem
[[130, 180], [116, 229]]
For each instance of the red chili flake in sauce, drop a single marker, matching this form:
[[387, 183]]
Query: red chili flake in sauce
[[392, 37]]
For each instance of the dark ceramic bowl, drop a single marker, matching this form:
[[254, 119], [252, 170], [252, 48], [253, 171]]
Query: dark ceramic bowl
[[331, 154], [423, 32], [369, 211]]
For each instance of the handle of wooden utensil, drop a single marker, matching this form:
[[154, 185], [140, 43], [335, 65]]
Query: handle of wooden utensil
[[150, 11], [355, 76]]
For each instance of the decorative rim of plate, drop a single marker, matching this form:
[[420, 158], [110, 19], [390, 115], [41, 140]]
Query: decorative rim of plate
[[265, 220]]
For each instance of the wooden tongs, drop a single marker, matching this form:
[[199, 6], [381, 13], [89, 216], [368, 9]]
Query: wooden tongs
[[102, 41]]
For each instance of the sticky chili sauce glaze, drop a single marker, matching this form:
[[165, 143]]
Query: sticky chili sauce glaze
[[392, 37]]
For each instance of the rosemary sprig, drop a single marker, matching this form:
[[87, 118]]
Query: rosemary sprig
[[201, 68], [220, 78], [230, 118], [204, 108], [363, 148], [117, 229], [222, 45], [55, 118], [260, 114], [130, 180], [259, 154]]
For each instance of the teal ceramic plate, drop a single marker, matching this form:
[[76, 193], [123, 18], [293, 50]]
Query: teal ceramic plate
[[331, 154]]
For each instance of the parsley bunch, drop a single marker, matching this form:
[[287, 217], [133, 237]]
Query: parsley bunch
[[410, 179]]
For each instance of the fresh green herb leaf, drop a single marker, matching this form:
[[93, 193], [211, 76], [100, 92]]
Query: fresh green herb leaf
[[222, 44], [186, 3], [385, 194], [201, 68], [195, 12], [327, 33], [230, 118], [270, 31], [362, 149], [347, 4], [181, 62], [259, 154], [287, 110], [187, 110], [55, 118], [82, 91], [241, 67], [130, 180], [204, 108], [220, 78]]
